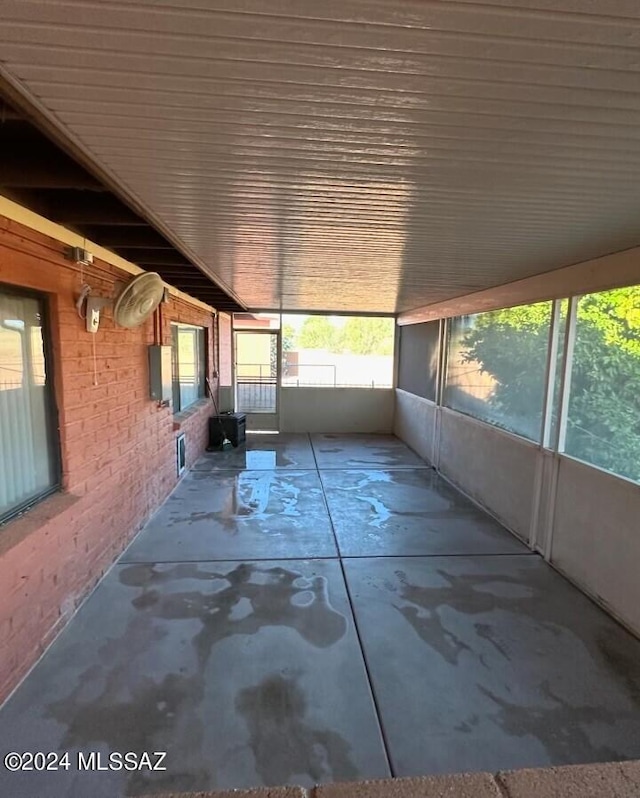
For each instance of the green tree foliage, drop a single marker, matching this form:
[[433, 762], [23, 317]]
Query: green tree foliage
[[359, 335], [288, 337], [317, 332], [604, 406], [367, 336]]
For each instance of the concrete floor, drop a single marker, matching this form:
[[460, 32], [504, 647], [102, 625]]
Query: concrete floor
[[314, 610]]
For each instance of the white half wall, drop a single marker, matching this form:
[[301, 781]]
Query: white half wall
[[493, 467], [415, 423], [589, 525], [596, 537], [336, 409]]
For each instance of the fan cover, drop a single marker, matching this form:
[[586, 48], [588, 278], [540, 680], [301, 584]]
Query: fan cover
[[138, 299]]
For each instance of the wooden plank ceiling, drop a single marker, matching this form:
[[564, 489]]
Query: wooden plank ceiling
[[38, 173], [348, 155]]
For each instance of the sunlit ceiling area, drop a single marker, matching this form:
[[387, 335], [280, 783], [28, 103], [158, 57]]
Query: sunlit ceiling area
[[350, 155]]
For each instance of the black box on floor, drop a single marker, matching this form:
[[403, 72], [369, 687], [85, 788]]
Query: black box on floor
[[234, 426]]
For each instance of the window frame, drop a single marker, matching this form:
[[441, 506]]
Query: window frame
[[445, 400], [561, 445], [201, 361], [52, 424]]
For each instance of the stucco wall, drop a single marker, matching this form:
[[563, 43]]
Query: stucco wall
[[596, 536], [589, 525], [336, 409], [415, 423], [495, 468]]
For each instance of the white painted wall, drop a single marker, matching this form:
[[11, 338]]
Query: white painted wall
[[495, 468], [594, 524], [596, 536], [336, 409], [414, 423]]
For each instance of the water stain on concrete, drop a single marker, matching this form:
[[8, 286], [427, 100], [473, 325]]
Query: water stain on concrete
[[272, 593], [430, 628], [283, 742], [200, 516], [561, 727], [256, 457], [621, 660], [522, 594], [267, 458], [113, 705], [558, 712], [464, 593], [487, 632], [467, 726], [264, 496]]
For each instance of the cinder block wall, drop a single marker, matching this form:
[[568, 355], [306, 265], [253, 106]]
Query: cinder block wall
[[117, 449]]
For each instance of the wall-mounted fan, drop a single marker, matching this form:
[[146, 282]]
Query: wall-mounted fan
[[131, 307], [138, 299]]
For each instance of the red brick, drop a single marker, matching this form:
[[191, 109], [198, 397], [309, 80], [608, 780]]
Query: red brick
[[118, 450]]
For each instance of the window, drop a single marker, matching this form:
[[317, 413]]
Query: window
[[603, 422], [418, 359], [336, 351], [497, 365], [189, 369], [28, 448]]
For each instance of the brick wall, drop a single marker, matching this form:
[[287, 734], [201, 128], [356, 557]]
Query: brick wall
[[117, 448]]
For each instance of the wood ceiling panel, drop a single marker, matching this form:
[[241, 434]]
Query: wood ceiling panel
[[352, 155]]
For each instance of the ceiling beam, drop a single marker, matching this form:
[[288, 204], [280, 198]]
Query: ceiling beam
[[29, 160], [39, 174], [40, 169], [187, 276], [154, 257], [120, 236], [45, 122], [73, 208], [16, 131], [7, 113]]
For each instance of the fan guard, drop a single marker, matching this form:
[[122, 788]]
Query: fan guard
[[138, 299]]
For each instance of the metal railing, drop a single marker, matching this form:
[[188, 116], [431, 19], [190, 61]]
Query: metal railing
[[321, 375], [257, 384], [256, 388]]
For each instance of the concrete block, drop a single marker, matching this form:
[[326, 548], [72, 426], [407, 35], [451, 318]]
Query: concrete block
[[574, 781], [632, 772], [468, 785], [259, 792]]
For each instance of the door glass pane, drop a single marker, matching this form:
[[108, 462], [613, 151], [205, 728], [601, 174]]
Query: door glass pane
[[256, 372], [27, 454]]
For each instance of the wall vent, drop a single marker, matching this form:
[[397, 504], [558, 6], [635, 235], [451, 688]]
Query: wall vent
[[181, 453]]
